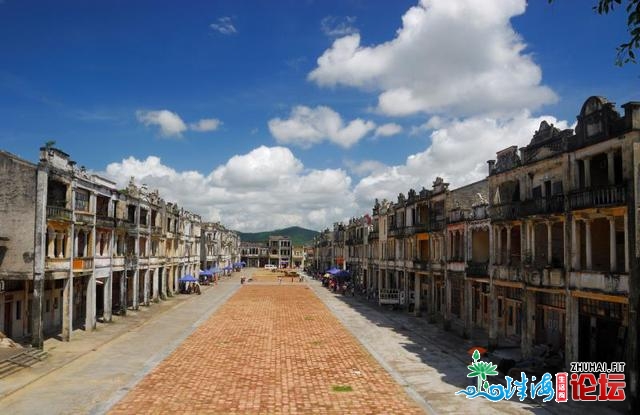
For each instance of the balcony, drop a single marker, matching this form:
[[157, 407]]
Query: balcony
[[83, 264], [544, 205], [477, 269], [105, 221], [597, 281], [598, 197], [545, 277], [58, 213], [396, 231], [57, 264], [84, 218], [156, 230], [506, 211], [373, 235]]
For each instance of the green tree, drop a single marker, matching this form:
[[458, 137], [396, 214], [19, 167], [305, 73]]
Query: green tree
[[625, 51]]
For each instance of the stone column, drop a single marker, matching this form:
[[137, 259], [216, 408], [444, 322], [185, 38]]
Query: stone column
[[492, 254], [163, 282], [52, 238], [493, 316], [90, 306], [533, 242], [572, 330], [59, 239], [499, 256], [135, 304], [626, 243], [417, 293], [610, 170], [575, 245], [508, 228], [67, 309], [467, 308], [587, 224], [123, 291], [529, 326], [549, 243], [108, 298], [146, 282], [612, 243], [587, 172]]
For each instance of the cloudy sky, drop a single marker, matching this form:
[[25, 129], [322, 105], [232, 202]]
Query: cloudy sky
[[266, 114]]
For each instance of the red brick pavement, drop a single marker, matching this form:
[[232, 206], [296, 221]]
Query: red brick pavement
[[272, 348]]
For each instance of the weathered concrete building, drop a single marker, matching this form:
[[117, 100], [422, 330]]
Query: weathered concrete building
[[74, 249], [545, 251]]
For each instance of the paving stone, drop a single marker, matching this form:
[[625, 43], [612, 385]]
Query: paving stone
[[272, 348]]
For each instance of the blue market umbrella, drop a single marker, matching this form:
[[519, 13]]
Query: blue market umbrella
[[188, 278]]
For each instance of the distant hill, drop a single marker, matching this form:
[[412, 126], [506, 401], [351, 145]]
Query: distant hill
[[298, 235]]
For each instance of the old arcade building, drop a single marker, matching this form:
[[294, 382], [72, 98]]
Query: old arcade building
[[542, 252], [75, 249]]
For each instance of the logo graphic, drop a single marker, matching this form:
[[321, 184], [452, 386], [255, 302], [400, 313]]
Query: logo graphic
[[607, 386]]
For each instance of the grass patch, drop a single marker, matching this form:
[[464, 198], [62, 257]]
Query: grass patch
[[342, 388], [316, 343], [308, 318]]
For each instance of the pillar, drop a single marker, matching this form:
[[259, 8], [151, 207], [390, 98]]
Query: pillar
[[612, 243], [626, 243], [67, 309], [493, 316], [529, 326], [575, 247], [587, 172], [572, 321], [587, 224], [123, 291], [147, 286], [533, 242], [508, 227], [467, 309], [416, 294], [135, 304], [51, 242], [90, 315], [499, 256], [610, 164], [108, 299], [549, 243]]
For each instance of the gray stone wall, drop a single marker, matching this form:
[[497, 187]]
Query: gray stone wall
[[17, 215]]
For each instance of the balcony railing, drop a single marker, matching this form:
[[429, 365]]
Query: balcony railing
[[80, 264], [506, 211], [599, 196], [544, 205], [54, 212], [477, 269], [373, 235], [85, 218], [105, 221]]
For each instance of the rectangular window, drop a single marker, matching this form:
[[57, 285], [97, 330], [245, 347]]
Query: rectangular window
[[82, 200]]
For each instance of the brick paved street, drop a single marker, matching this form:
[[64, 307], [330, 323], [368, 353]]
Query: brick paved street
[[272, 348]]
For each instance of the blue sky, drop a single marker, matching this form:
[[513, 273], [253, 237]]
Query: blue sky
[[264, 114]]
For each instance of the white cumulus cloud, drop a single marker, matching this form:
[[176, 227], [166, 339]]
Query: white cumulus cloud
[[387, 130], [458, 57], [206, 124], [308, 126], [266, 188], [458, 152], [170, 123]]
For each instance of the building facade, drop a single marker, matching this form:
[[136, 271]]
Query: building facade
[[544, 251], [75, 249]]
